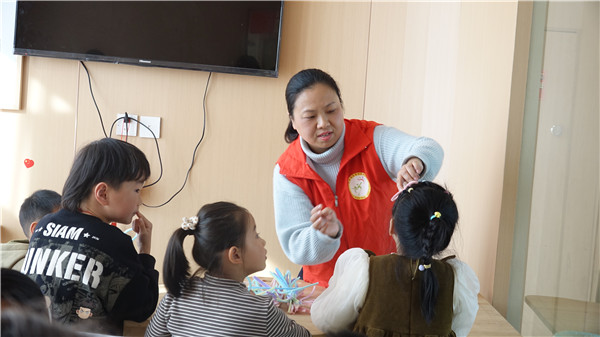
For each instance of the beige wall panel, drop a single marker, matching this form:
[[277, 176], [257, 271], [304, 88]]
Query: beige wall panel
[[476, 154], [43, 131], [443, 70], [332, 36]]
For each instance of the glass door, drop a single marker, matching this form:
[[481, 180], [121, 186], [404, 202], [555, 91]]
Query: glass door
[[560, 291]]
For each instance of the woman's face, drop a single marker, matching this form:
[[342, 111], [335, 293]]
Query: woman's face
[[318, 117]]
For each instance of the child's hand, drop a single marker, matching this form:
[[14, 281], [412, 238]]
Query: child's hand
[[325, 220], [143, 227], [411, 171]]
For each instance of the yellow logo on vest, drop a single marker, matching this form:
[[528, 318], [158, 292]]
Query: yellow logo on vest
[[359, 186]]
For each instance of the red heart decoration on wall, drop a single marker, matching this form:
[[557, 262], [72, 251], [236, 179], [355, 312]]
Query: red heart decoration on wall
[[28, 163]]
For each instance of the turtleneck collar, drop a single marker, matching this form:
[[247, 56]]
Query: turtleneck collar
[[333, 154]]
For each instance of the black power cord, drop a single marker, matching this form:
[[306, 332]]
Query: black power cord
[[195, 149], [126, 119], [93, 98]]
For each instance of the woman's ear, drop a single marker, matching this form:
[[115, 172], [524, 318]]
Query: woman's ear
[[101, 193], [234, 255]]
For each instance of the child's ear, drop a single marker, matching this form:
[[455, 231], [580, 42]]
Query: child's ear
[[234, 254], [31, 229], [101, 193], [391, 230]]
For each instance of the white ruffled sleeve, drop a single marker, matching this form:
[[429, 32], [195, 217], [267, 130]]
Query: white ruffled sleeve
[[338, 306], [466, 288]]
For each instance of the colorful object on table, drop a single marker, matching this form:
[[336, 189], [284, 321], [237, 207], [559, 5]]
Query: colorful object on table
[[28, 163], [129, 230], [283, 289]]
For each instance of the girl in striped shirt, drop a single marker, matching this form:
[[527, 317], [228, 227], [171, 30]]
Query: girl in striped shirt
[[227, 248]]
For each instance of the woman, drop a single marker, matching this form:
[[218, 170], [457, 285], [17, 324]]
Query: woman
[[333, 184]]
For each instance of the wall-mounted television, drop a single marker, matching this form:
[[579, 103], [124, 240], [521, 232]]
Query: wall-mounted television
[[240, 37]]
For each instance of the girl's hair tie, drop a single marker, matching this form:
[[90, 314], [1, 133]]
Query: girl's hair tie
[[406, 188], [436, 214], [189, 224], [422, 267]]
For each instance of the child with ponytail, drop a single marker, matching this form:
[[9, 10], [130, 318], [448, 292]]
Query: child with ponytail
[[410, 292], [227, 248]]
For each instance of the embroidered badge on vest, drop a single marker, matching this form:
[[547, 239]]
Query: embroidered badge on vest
[[359, 186]]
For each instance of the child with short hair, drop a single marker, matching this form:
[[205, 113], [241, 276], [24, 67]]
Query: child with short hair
[[408, 292], [227, 248], [79, 260], [33, 208]]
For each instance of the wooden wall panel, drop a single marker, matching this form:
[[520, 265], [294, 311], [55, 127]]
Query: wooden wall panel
[[43, 131], [332, 36]]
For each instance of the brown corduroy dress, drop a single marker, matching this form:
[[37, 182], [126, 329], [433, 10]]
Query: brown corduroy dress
[[392, 305]]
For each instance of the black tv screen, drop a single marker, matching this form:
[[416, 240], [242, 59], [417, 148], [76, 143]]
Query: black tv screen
[[240, 37]]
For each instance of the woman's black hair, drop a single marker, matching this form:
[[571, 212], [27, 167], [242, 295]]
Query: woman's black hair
[[298, 83], [422, 235], [220, 226], [106, 160]]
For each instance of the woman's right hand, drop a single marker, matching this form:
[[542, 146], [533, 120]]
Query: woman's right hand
[[325, 221]]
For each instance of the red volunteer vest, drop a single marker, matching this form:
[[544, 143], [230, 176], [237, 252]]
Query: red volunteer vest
[[363, 195]]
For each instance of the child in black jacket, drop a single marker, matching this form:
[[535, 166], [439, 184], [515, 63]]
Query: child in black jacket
[[88, 268]]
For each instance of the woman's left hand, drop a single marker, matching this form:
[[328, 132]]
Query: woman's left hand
[[325, 221], [411, 171]]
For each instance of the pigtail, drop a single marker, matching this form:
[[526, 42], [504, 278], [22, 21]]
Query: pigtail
[[176, 268], [429, 284]]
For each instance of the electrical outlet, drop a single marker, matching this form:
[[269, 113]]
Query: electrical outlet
[[153, 123], [131, 127]]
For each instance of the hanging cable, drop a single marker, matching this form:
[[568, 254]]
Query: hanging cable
[[195, 149], [93, 98], [126, 119]]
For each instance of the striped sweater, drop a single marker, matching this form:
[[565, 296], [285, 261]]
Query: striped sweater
[[212, 306]]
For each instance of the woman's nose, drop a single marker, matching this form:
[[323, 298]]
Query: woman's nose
[[322, 121]]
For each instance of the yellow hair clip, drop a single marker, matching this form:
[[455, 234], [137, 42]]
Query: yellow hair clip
[[436, 214]]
